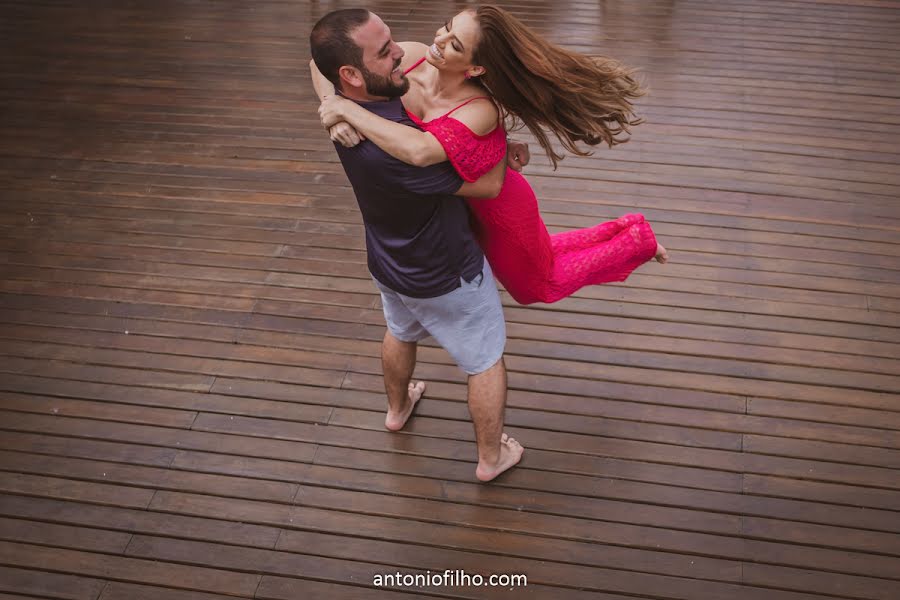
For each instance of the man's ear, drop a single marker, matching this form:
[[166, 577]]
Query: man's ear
[[351, 77]]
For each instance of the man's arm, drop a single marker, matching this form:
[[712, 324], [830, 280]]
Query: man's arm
[[517, 154], [488, 186]]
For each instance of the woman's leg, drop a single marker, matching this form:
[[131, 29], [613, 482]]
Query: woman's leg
[[606, 261], [581, 239], [534, 266]]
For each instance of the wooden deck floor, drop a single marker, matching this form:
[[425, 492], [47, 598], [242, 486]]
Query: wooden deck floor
[[190, 393]]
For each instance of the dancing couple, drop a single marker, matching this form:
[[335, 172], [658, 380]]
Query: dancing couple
[[420, 131]]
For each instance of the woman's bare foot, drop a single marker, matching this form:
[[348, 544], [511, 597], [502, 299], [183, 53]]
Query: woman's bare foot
[[510, 455], [662, 255], [396, 421]]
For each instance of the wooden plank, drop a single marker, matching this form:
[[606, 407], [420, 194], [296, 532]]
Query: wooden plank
[[846, 494], [821, 412], [180, 367], [823, 583], [442, 534], [208, 298], [313, 207], [546, 502], [136, 376], [36, 140], [290, 409], [608, 467], [825, 451], [377, 439], [545, 497], [809, 416], [546, 459], [94, 410], [129, 569], [81, 448], [126, 342], [138, 521], [723, 426], [156, 436], [43, 584], [806, 533], [94, 492], [288, 588], [146, 477], [582, 379], [697, 216], [117, 590], [134, 341], [113, 310], [124, 294], [329, 522], [308, 566], [604, 532], [48, 534]]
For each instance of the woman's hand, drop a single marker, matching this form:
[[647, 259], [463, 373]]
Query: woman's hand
[[344, 134], [331, 110]]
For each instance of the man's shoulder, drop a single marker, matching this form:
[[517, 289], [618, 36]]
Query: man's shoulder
[[389, 109]]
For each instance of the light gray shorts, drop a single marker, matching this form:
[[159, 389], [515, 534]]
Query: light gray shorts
[[467, 322]]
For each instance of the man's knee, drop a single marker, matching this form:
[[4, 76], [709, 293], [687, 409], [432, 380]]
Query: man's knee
[[495, 372], [395, 347], [392, 338]]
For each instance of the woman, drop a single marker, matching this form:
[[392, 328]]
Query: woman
[[579, 99]]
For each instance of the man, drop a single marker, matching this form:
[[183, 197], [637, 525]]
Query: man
[[422, 255]]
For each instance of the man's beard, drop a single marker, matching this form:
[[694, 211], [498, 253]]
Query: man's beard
[[377, 85]]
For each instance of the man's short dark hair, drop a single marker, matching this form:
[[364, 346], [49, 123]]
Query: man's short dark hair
[[331, 44]]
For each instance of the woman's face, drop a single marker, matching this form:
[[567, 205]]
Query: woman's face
[[454, 44]]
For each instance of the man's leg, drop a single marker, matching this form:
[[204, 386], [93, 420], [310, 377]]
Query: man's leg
[[487, 402], [468, 323], [398, 361]]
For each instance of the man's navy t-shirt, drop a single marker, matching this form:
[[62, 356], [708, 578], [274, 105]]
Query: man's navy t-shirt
[[418, 238]]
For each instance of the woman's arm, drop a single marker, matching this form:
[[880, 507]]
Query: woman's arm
[[321, 84], [416, 147], [408, 144], [341, 132]]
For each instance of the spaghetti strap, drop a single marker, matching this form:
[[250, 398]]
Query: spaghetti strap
[[466, 102], [419, 62]]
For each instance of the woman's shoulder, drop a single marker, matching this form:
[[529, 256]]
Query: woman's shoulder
[[413, 52], [479, 114]]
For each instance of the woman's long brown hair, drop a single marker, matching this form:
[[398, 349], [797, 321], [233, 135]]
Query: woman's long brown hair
[[577, 97]]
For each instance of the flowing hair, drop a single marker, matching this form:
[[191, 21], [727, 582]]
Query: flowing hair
[[577, 97]]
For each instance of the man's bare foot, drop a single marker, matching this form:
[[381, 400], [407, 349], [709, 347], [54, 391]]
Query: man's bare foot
[[396, 421], [662, 255], [510, 455]]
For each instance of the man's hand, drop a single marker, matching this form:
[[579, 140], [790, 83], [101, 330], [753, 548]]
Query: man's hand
[[517, 154], [344, 134], [330, 110]]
